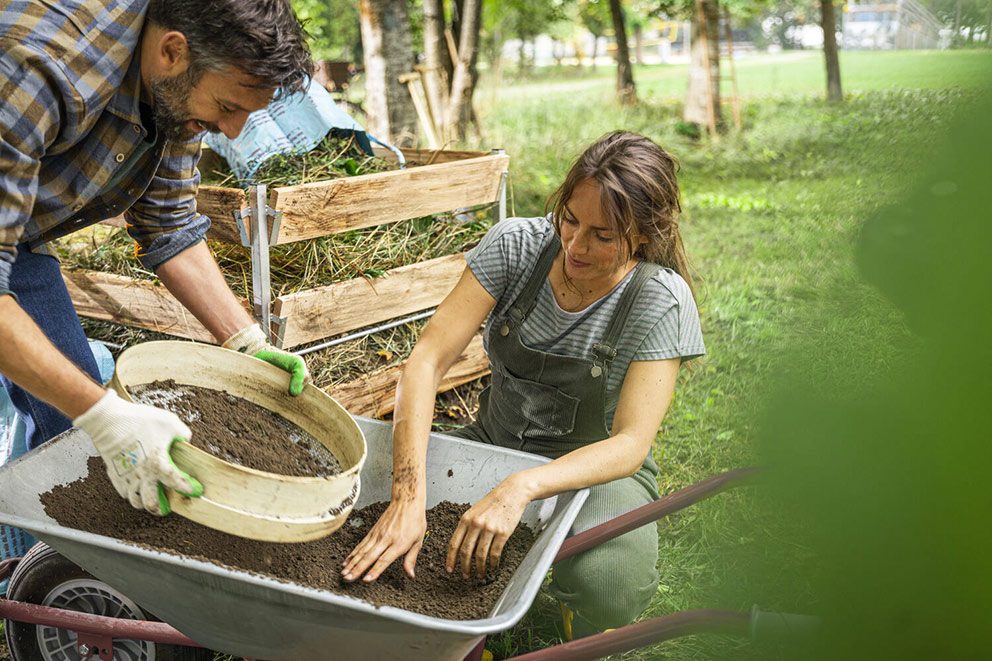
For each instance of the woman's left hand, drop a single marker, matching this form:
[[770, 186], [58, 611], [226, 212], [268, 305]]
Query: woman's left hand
[[484, 528]]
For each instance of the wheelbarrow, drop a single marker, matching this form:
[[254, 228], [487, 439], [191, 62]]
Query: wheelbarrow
[[257, 617]]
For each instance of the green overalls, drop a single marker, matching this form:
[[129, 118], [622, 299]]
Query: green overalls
[[549, 405]]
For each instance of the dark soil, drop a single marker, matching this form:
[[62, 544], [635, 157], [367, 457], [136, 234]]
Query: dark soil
[[241, 432], [91, 504]]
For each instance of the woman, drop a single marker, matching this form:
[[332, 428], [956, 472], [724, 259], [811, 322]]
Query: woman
[[589, 318]]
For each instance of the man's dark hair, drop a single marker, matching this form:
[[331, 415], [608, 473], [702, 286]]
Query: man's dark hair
[[262, 38]]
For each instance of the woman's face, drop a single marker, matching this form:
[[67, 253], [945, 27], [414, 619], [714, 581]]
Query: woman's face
[[592, 247]]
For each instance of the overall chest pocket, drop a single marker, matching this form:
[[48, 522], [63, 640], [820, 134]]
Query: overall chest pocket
[[548, 410]]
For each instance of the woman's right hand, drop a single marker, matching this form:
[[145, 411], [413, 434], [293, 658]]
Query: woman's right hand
[[399, 531]]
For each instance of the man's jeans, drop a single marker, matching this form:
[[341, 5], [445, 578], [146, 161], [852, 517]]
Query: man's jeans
[[37, 281], [26, 422], [15, 542]]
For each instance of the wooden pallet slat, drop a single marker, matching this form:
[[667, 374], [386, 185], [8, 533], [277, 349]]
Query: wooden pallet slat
[[374, 394], [428, 156], [219, 205], [447, 180], [328, 207], [321, 312], [132, 302]]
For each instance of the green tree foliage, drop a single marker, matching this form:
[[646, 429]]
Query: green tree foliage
[[595, 16], [333, 28], [520, 19]]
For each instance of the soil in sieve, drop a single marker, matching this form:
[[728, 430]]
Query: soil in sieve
[[92, 505], [241, 432]]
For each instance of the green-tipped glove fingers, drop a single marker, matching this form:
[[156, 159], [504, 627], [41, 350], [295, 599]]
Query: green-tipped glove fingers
[[134, 441], [252, 341]]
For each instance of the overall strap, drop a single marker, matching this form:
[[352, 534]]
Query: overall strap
[[527, 299], [607, 349]]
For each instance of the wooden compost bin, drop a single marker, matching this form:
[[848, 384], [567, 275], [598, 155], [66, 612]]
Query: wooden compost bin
[[434, 182]]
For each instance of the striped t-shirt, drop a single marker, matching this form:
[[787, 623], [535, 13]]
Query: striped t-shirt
[[663, 322]]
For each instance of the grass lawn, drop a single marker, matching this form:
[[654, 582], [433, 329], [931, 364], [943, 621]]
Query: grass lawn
[[785, 74], [770, 218]]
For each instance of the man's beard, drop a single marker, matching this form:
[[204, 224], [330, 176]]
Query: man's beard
[[170, 97]]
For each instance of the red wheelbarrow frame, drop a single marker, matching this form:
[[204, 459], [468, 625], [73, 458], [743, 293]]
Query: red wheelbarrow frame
[[96, 633]]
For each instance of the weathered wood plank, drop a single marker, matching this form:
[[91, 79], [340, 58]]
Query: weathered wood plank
[[374, 394], [338, 205], [219, 205], [428, 156], [132, 302], [314, 314]]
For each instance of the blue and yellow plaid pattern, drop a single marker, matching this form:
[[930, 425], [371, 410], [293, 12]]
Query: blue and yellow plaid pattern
[[69, 117]]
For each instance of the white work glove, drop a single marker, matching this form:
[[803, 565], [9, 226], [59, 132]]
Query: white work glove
[[134, 441], [252, 341]]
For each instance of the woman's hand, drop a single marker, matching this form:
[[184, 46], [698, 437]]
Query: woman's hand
[[400, 530], [484, 528]]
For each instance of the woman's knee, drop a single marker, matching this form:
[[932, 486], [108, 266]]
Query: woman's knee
[[609, 586]]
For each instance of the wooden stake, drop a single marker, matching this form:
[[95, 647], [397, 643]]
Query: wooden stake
[[415, 85], [436, 85], [452, 48]]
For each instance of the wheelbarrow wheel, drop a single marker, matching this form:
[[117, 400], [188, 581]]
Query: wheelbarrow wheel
[[45, 577]]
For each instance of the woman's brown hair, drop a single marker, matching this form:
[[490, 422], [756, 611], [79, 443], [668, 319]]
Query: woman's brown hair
[[639, 192]]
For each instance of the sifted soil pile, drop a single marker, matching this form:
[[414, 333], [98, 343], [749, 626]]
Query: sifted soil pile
[[241, 432], [91, 504]]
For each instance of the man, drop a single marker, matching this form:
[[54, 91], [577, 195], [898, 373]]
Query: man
[[103, 105]]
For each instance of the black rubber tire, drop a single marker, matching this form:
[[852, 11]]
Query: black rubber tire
[[42, 570]]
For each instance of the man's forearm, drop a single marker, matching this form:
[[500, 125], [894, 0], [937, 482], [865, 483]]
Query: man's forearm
[[28, 359], [195, 280]]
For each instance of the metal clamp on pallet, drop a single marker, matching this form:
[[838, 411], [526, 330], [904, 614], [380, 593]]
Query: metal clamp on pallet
[[254, 221]]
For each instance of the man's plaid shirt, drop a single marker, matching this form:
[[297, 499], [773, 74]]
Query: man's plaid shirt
[[69, 116]]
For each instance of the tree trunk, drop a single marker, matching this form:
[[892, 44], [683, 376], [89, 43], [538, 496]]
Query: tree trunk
[[456, 24], [626, 92], [388, 54], [436, 55], [828, 19], [639, 43], [468, 112], [595, 50], [704, 54], [459, 110]]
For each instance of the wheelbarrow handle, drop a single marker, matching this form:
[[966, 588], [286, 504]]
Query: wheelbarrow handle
[[642, 634], [645, 514], [99, 625], [757, 625]]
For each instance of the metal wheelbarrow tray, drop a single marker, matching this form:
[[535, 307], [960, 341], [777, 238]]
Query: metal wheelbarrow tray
[[259, 617]]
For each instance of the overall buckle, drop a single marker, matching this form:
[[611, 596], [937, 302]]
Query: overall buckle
[[604, 352]]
